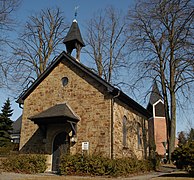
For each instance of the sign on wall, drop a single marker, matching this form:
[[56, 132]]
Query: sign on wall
[[85, 146]]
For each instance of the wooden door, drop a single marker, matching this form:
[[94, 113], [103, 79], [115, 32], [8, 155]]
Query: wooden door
[[60, 146]]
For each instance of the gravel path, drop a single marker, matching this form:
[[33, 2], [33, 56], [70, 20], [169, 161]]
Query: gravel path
[[17, 176], [49, 176]]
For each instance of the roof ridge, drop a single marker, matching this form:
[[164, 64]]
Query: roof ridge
[[110, 88]]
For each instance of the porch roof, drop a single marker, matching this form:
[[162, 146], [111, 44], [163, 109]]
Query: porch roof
[[59, 113]]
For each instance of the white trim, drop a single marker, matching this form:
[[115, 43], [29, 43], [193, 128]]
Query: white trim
[[158, 117], [160, 100]]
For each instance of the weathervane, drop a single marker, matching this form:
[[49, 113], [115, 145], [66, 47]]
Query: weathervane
[[76, 8]]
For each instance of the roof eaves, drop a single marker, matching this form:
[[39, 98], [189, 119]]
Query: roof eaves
[[130, 102], [38, 80], [110, 88]]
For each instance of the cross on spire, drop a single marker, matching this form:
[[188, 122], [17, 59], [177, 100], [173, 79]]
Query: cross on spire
[[76, 8]]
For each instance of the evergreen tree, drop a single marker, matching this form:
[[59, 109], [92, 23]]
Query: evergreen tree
[[5, 123], [182, 139], [191, 135]]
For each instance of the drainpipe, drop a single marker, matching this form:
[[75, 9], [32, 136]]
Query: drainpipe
[[112, 122]]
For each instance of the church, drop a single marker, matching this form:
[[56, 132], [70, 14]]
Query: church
[[69, 109], [157, 122]]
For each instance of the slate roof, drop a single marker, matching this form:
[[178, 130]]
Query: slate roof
[[17, 125], [74, 34], [154, 97], [57, 112], [64, 57], [155, 94]]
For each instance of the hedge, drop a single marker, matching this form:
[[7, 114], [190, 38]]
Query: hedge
[[101, 166], [25, 163], [183, 156]]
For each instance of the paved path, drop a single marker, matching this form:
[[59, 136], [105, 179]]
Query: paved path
[[15, 176], [48, 176]]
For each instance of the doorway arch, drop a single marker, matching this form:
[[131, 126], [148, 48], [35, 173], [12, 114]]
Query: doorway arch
[[61, 145]]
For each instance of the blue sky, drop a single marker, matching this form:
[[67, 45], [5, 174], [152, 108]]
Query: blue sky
[[86, 9]]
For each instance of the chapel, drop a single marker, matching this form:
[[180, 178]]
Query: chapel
[[69, 109]]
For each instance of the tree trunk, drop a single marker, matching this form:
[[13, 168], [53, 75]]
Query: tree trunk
[[173, 124], [166, 107]]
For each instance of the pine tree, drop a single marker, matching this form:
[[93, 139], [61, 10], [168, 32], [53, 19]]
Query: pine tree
[[191, 135], [5, 124], [182, 139]]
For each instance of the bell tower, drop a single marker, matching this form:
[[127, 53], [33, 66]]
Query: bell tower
[[73, 39], [157, 124]]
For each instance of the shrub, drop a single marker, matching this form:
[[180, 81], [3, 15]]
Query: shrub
[[183, 156], [5, 150], [154, 160], [25, 163], [101, 166]]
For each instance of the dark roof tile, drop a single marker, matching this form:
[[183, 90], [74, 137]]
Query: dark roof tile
[[59, 110], [17, 125], [155, 94], [74, 34]]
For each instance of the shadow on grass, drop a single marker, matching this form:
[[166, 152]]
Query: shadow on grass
[[168, 167], [188, 175]]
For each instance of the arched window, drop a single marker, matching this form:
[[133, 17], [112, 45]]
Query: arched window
[[124, 131], [139, 136]]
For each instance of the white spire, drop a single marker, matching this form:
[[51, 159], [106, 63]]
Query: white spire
[[75, 20]]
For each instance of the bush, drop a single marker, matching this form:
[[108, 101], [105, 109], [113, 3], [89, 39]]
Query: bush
[[101, 166], [155, 161], [183, 156], [5, 150], [25, 163]]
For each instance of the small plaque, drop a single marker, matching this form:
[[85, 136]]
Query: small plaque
[[85, 146]]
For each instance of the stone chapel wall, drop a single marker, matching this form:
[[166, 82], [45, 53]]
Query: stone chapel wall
[[134, 119], [86, 99]]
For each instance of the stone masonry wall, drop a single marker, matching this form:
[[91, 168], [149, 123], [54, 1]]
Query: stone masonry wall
[[133, 119], [86, 99]]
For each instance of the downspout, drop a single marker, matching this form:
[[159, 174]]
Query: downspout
[[112, 123]]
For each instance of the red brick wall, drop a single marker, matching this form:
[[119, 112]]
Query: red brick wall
[[160, 134]]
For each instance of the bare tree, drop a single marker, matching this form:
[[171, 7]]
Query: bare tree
[[107, 41], [38, 44], [7, 7], [163, 31]]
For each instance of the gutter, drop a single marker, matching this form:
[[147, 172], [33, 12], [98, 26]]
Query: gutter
[[112, 124]]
